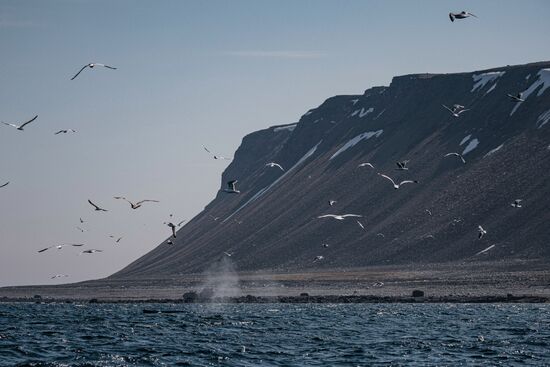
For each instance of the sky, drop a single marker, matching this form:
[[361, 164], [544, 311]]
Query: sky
[[192, 73]]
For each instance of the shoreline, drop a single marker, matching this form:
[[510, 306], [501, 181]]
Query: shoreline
[[300, 299]]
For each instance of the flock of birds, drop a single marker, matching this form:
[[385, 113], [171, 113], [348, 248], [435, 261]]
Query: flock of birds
[[456, 111]]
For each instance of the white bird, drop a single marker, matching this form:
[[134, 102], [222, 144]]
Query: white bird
[[273, 164], [429, 211], [65, 131], [461, 15], [97, 208], [169, 242], [456, 111], [396, 186], [485, 250], [516, 98], [59, 276], [215, 156], [517, 203], [481, 231], [339, 217], [332, 202], [378, 284], [59, 247], [136, 205], [366, 164], [22, 126], [231, 189], [325, 245], [402, 166], [456, 155], [361, 225], [4, 185], [213, 217], [91, 251], [91, 66], [318, 258], [228, 254]]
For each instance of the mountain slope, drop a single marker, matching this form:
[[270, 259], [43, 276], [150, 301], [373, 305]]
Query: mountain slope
[[273, 226]]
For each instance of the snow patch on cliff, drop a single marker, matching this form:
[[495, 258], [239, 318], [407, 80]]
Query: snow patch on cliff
[[288, 127], [480, 80], [362, 112], [493, 150], [543, 119], [466, 138], [357, 139], [471, 146]]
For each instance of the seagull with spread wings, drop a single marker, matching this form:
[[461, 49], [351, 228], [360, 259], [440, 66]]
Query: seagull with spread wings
[[59, 247], [97, 208], [215, 156], [516, 98], [396, 186], [65, 131], [456, 110], [20, 128], [136, 205], [340, 217], [273, 164], [461, 15], [91, 66], [231, 187], [91, 251]]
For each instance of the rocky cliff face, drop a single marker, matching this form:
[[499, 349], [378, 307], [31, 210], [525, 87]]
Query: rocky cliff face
[[273, 226]]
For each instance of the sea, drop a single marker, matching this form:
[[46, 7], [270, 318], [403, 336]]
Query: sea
[[274, 334]]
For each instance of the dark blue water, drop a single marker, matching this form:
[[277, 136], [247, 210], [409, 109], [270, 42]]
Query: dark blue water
[[274, 335]]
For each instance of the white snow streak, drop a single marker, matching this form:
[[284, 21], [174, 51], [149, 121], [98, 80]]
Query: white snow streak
[[281, 128], [260, 193], [357, 139], [543, 119], [465, 139], [493, 150], [471, 146], [481, 80]]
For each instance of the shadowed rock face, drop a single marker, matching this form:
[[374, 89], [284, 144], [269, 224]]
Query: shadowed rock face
[[275, 228]]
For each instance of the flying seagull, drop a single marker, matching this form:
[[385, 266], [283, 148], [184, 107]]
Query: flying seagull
[[213, 217], [231, 187], [4, 185], [366, 164], [215, 156], [228, 254], [461, 15], [65, 131], [332, 202], [456, 111], [22, 126], [339, 217], [118, 240], [97, 208], [169, 242], [516, 98], [91, 66], [402, 166], [325, 245], [481, 231], [59, 276], [273, 164], [517, 203], [81, 221], [91, 251], [396, 186], [136, 205], [456, 155], [173, 227], [59, 247], [318, 258], [429, 211]]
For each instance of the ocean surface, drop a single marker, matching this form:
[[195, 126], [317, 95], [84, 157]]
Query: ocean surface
[[275, 335]]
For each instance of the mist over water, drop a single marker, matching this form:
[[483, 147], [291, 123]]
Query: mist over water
[[222, 280]]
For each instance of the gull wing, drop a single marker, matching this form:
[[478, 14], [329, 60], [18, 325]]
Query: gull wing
[[459, 112], [327, 216], [180, 223], [4, 185], [28, 122], [44, 249], [107, 66], [451, 17], [84, 67], [351, 215], [147, 200], [448, 109], [472, 14], [12, 125], [406, 182], [387, 177]]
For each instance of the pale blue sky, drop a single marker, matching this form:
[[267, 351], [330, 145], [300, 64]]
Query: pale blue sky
[[193, 73]]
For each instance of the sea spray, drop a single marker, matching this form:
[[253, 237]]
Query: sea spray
[[222, 281]]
